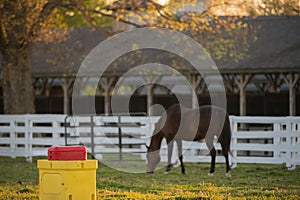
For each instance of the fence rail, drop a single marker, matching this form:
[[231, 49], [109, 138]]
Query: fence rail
[[281, 139], [30, 135], [270, 140]]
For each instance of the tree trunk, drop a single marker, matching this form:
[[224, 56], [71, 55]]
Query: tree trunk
[[16, 79]]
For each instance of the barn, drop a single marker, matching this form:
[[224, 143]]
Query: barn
[[266, 81]]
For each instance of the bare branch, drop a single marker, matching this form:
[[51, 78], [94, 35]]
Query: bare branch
[[3, 36], [115, 17], [86, 13]]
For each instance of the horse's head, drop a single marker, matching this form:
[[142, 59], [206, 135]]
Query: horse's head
[[153, 158]]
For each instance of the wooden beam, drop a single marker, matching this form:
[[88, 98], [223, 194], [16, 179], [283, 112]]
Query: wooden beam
[[275, 81], [66, 85], [242, 82], [291, 79], [150, 84], [230, 83], [106, 84], [196, 82], [38, 86], [42, 85]]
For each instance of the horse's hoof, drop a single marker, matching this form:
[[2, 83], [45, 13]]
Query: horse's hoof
[[210, 174], [228, 175]]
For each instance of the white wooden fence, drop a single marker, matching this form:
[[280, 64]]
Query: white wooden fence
[[269, 140], [282, 136], [30, 135]]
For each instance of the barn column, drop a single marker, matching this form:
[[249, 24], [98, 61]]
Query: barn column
[[292, 80], [196, 81], [150, 84], [106, 84], [242, 83], [38, 85], [47, 86], [66, 84], [150, 92], [42, 86]]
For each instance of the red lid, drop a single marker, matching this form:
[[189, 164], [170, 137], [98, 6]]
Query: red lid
[[67, 148], [67, 153]]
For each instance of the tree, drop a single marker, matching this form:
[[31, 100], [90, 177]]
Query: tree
[[21, 24], [23, 21], [276, 7], [202, 20]]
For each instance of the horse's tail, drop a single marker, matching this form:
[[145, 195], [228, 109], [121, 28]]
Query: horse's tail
[[230, 152], [226, 134]]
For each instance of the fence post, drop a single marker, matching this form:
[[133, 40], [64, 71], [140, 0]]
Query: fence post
[[234, 129], [66, 129], [12, 135], [296, 160], [288, 135], [92, 136], [28, 136], [120, 138], [294, 127], [99, 123], [276, 140], [56, 132]]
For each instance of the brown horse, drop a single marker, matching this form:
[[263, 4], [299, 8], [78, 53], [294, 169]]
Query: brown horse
[[192, 125]]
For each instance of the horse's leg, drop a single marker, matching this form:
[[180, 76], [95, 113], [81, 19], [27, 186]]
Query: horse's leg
[[179, 148], [227, 166], [225, 150], [225, 141], [170, 143], [213, 161], [211, 148]]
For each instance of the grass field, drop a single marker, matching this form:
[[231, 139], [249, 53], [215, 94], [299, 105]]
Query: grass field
[[19, 180]]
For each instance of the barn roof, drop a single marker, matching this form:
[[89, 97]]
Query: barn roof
[[276, 49]]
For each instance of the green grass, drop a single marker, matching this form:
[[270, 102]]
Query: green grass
[[19, 180]]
